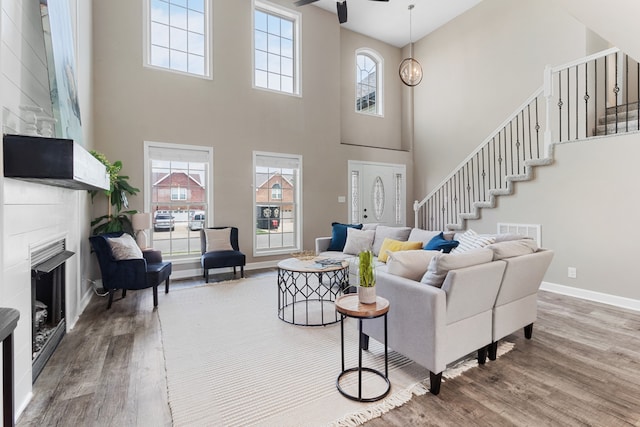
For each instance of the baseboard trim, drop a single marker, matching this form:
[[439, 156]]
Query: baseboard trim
[[621, 302], [197, 272], [20, 409]]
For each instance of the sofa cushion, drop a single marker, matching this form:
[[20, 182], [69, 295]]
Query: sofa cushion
[[472, 240], [370, 226], [218, 239], [339, 235], [511, 248], [124, 247], [391, 245], [410, 264], [442, 263], [439, 243], [395, 233], [358, 241], [420, 235]]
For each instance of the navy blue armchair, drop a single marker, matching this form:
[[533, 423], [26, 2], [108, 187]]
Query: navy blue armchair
[[130, 274], [223, 258]]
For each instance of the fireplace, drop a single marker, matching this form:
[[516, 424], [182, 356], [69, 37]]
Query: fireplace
[[47, 301]]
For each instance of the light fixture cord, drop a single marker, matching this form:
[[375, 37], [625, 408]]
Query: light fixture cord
[[410, 31]]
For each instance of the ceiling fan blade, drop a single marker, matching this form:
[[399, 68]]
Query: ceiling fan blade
[[303, 2]]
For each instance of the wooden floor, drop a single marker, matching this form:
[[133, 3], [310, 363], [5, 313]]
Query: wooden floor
[[582, 368]]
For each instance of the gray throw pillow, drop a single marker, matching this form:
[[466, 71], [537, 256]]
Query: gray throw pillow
[[395, 233]]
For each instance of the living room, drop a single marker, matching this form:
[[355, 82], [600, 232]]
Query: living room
[[493, 55]]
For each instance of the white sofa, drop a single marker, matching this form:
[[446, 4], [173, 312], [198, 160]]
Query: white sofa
[[491, 295]]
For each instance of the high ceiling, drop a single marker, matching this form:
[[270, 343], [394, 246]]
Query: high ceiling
[[389, 21]]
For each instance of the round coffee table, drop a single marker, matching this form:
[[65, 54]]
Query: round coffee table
[[307, 291], [349, 306]]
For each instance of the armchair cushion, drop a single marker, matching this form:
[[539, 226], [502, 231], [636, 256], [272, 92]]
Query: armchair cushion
[[218, 239], [124, 247]]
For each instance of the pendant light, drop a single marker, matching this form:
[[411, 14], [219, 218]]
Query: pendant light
[[410, 69]]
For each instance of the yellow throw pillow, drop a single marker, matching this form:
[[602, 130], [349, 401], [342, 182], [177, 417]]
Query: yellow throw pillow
[[395, 246]]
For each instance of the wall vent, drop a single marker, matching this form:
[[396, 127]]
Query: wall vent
[[528, 230]]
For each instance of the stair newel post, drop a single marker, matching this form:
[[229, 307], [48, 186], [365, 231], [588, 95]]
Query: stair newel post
[[548, 94], [416, 208]]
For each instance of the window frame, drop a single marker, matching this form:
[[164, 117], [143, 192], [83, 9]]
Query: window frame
[[208, 40], [379, 61], [297, 203], [207, 158], [285, 13]]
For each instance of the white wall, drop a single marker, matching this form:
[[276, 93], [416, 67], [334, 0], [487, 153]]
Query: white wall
[[34, 213], [478, 69]]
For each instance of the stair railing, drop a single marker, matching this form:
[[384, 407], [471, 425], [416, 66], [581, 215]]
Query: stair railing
[[578, 100]]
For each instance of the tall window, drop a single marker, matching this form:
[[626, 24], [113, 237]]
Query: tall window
[[177, 35], [368, 82], [277, 207], [177, 187], [275, 42]]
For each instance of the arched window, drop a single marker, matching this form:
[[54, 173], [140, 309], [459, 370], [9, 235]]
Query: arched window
[[276, 192], [369, 68]]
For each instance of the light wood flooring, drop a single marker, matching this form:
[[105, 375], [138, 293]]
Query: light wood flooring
[[582, 368]]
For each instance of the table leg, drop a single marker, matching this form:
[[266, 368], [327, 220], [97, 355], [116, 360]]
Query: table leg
[[342, 340], [386, 351], [7, 381], [359, 360]]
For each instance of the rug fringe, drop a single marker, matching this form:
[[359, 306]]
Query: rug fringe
[[418, 389], [394, 401]]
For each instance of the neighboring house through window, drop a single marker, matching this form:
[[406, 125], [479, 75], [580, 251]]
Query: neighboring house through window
[[276, 44], [368, 82], [178, 185], [277, 204], [177, 34]]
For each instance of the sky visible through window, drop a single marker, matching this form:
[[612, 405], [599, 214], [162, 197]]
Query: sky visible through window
[[178, 35]]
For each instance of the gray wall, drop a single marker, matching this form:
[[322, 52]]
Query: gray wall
[[133, 104], [478, 69]]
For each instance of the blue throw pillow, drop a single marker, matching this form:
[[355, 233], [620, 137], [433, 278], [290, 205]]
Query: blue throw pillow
[[439, 243], [339, 235]]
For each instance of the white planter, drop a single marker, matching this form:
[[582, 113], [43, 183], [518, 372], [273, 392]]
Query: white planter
[[367, 295]]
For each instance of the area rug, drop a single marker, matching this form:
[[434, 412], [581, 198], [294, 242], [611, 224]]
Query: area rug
[[230, 361]]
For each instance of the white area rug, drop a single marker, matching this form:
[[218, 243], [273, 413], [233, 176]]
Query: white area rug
[[231, 361]]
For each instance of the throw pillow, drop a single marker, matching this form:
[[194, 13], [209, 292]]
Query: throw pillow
[[441, 264], [384, 231], [409, 264], [358, 241], [124, 247], [391, 245], [512, 248], [218, 239], [339, 235], [424, 236], [472, 240], [439, 243], [370, 226]]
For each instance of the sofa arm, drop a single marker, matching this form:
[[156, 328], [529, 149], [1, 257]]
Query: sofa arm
[[416, 320], [322, 244]]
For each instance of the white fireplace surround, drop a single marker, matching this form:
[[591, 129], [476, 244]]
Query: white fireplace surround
[[36, 215]]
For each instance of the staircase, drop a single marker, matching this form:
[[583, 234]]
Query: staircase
[[573, 105]]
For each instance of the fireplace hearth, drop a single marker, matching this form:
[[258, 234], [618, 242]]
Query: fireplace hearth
[[47, 301]]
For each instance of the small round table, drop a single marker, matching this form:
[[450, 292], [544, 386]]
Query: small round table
[[349, 306], [307, 285]]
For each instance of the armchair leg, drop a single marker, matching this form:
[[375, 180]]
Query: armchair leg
[[234, 271], [166, 286], [242, 271], [124, 293], [155, 296], [493, 350], [482, 355], [435, 380], [528, 331], [111, 292], [206, 276]]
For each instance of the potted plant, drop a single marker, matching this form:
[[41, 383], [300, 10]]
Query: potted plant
[[116, 219], [366, 271]]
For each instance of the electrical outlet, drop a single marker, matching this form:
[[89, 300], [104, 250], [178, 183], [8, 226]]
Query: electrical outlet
[[572, 273]]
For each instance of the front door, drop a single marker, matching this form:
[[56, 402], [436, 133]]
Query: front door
[[377, 193]]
